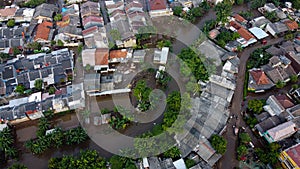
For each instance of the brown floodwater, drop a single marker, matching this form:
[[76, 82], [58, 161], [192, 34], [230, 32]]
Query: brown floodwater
[[26, 130]]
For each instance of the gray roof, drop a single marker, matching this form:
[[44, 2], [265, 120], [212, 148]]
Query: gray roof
[[23, 79], [274, 51], [262, 116], [260, 21], [11, 37], [209, 114], [8, 72], [279, 27], [167, 164], [124, 29], [45, 10], [19, 12], [6, 114], [280, 14], [70, 30], [267, 124], [154, 163]]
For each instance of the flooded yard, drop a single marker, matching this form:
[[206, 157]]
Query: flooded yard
[[27, 130]]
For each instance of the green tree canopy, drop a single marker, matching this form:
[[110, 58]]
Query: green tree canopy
[[38, 84], [205, 5], [296, 4], [20, 89], [280, 84], [58, 17], [239, 2], [193, 61], [60, 42], [177, 10], [115, 34], [223, 11], [270, 154], [189, 163], [244, 138], [16, 51], [34, 3], [242, 150], [218, 143], [11, 23], [257, 3], [52, 90], [17, 166], [118, 162], [142, 92], [35, 45], [88, 159], [256, 105], [294, 78], [173, 153]]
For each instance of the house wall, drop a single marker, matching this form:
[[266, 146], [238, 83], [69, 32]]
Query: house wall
[[164, 12], [270, 30], [287, 162]]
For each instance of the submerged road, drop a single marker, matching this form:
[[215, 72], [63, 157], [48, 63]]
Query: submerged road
[[229, 161]]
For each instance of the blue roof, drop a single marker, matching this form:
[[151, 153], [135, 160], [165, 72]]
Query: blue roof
[[258, 33]]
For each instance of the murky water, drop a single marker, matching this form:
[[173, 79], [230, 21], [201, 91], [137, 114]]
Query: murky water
[[27, 130]]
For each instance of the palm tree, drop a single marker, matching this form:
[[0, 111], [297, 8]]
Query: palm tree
[[57, 137], [79, 135], [29, 144], [11, 152], [160, 44], [44, 124], [5, 141], [17, 166]]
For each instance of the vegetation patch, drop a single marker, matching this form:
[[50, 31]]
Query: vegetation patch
[[6, 143], [258, 58], [56, 138], [218, 143]]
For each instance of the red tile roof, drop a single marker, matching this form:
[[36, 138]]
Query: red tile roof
[[89, 30], [157, 4], [133, 5], [245, 34], [8, 12], [115, 5], [294, 154], [235, 25], [101, 56], [260, 77], [92, 19], [284, 101], [292, 25], [239, 18], [136, 13], [43, 30], [117, 54]]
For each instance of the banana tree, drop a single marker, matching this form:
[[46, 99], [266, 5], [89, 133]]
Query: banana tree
[[11, 152]]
